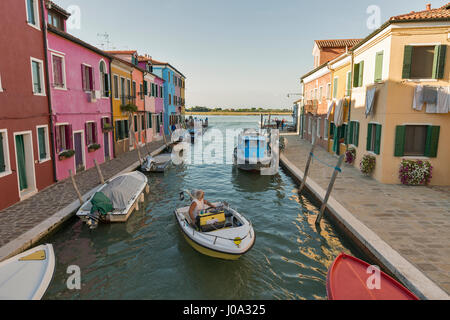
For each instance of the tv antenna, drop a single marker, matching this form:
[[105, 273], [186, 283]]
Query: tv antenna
[[104, 40]]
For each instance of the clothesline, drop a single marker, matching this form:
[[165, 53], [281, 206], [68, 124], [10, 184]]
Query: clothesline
[[326, 164], [434, 99]]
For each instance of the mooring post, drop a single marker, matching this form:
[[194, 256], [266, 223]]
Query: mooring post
[[99, 171], [308, 163], [76, 187], [262, 119], [330, 188]]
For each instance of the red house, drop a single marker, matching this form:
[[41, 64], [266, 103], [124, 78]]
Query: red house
[[26, 162]]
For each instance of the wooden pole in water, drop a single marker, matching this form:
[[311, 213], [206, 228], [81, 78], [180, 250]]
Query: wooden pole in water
[[330, 188], [262, 119], [99, 171], [308, 163], [76, 187]]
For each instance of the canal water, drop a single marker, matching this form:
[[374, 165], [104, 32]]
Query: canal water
[[148, 258]]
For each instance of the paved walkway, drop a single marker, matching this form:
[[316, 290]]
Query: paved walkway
[[23, 216], [414, 221]]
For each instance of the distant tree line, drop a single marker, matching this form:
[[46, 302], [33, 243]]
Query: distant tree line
[[206, 109]]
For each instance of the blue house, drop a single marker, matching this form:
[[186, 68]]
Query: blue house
[[174, 85]]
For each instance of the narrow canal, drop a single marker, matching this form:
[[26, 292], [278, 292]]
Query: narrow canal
[[148, 258]]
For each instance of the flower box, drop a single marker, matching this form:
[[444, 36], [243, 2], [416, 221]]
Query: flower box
[[415, 172], [93, 147], [350, 156], [67, 154], [367, 164]]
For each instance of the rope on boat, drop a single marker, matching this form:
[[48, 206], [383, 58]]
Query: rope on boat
[[324, 163]]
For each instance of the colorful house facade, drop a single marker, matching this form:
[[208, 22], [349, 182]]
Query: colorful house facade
[[26, 157], [173, 80], [80, 98], [401, 74]]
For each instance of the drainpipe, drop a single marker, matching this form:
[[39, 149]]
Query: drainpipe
[[112, 106], [49, 94], [351, 91]]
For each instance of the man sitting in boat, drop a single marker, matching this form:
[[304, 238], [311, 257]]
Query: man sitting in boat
[[198, 205]]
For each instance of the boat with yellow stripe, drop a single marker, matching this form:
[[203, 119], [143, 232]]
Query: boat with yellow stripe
[[222, 232]]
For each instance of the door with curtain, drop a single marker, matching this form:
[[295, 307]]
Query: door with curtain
[[21, 162], [78, 138]]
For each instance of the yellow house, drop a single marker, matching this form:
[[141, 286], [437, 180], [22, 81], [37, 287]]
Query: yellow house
[[121, 83], [405, 65], [340, 90]]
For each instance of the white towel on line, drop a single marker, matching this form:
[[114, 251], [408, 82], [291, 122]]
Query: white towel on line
[[443, 100], [418, 98]]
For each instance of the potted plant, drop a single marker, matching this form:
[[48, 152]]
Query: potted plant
[[94, 147], [350, 156], [66, 154], [415, 172], [107, 127], [367, 164]]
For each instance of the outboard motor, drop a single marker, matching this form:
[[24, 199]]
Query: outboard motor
[[93, 219]]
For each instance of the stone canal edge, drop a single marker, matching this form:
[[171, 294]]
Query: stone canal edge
[[43, 229], [370, 242]]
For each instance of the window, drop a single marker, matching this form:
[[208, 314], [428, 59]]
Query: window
[[128, 89], [374, 138], [116, 87], [136, 124], [4, 153], [161, 91], [332, 130], [318, 127], [149, 120], [141, 91], [63, 137], [358, 73], [348, 88], [325, 129], [91, 133], [335, 87], [170, 98], [353, 133], [424, 62], [134, 89], [58, 71], [122, 91], [320, 93], [417, 140], [1, 88], [328, 91], [87, 78], [121, 129], [309, 125], [169, 75], [55, 20], [33, 13], [37, 73], [145, 88], [104, 78], [315, 94], [43, 145], [379, 66]]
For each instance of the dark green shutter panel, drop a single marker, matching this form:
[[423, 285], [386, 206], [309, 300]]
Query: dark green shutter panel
[[400, 134], [2, 155], [41, 138], [431, 146], [407, 59], [379, 66], [439, 61], [350, 133], [356, 75], [331, 129], [349, 83], [378, 139], [361, 74], [117, 131], [106, 83], [369, 137], [356, 143], [145, 88], [335, 87]]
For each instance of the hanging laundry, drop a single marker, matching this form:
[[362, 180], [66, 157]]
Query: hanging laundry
[[443, 100], [430, 95], [370, 98], [339, 113], [418, 98], [431, 108], [330, 109]]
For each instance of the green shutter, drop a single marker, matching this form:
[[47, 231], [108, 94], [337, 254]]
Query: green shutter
[[431, 146], [356, 75], [350, 133], [407, 61], [2, 155], [379, 66], [335, 87], [439, 61], [145, 88], [356, 143], [331, 130], [400, 134], [42, 146], [369, 137], [361, 74], [349, 83], [117, 130], [378, 139]]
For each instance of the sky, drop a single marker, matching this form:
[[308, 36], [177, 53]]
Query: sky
[[234, 53]]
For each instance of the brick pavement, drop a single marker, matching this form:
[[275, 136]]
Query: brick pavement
[[413, 220], [23, 216]]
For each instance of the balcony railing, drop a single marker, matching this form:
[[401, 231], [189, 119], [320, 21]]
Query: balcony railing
[[311, 106]]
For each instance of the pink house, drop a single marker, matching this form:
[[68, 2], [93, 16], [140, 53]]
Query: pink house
[[80, 98], [154, 101]]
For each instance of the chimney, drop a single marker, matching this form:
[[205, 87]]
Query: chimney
[[428, 6]]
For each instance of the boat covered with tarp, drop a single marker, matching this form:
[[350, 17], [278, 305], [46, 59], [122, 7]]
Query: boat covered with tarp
[[115, 200]]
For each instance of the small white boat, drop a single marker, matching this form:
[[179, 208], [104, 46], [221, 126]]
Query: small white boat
[[159, 163], [226, 234], [115, 200], [27, 276]]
